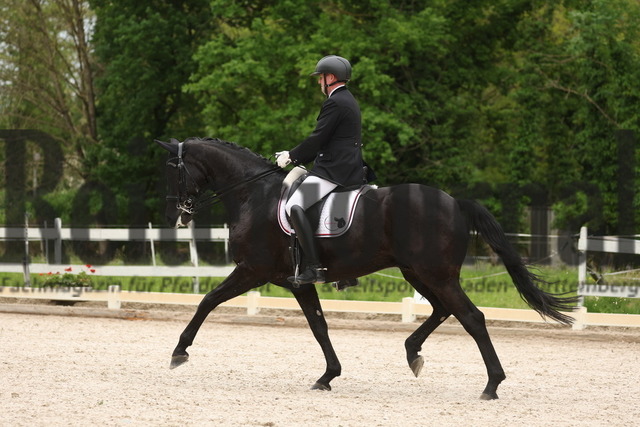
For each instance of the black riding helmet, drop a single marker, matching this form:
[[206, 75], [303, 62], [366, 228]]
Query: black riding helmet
[[336, 65]]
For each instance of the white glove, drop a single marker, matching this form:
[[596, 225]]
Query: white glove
[[282, 158]]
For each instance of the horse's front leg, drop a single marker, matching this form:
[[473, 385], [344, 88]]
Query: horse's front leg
[[307, 297], [238, 282]]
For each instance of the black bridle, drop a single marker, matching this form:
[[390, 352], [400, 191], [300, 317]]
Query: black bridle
[[191, 204]]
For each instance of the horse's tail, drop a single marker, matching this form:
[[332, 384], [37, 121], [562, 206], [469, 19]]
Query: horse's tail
[[527, 283]]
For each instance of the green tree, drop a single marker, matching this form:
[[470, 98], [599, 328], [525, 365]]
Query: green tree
[[46, 86], [578, 63], [491, 99], [145, 50], [419, 75], [46, 71]]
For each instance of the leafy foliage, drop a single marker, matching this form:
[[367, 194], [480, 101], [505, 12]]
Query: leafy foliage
[[45, 71], [514, 102], [145, 51]]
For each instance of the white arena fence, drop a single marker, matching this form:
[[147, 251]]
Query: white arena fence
[[609, 244], [408, 308], [57, 234]]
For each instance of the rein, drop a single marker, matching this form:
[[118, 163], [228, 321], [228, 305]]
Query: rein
[[187, 204]]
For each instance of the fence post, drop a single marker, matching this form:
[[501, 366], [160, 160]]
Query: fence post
[[252, 303], [25, 262], [152, 244], [408, 312], [57, 244], [193, 250], [113, 297], [45, 241], [582, 263], [581, 319], [226, 244]]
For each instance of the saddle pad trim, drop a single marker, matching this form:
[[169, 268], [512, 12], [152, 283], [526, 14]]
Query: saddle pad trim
[[288, 229]]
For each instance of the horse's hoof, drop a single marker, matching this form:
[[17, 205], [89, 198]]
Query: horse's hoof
[[323, 387], [416, 365], [488, 396], [178, 360]]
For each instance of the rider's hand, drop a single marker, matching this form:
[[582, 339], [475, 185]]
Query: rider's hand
[[282, 158]]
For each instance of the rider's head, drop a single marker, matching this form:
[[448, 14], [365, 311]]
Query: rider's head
[[332, 70]]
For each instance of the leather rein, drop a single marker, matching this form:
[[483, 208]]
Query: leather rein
[[191, 204]]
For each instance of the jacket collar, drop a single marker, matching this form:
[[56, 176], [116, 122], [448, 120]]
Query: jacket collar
[[341, 87]]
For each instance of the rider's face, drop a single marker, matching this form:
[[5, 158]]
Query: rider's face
[[330, 78]]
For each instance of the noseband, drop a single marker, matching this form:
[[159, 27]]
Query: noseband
[[184, 202], [189, 204]]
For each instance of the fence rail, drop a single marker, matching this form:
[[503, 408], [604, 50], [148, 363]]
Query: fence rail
[[124, 270], [116, 234], [58, 234], [609, 244], [408, 308]]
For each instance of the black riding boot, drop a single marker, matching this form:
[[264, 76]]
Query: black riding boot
[[313, 273]]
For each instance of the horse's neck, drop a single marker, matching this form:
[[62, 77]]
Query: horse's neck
[[253, 203], [229, 165], [230, 169]]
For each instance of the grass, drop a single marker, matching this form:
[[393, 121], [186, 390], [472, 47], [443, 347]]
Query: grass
[[617, 305], [485, 284]]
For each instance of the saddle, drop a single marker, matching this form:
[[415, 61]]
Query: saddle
[[333, 214]]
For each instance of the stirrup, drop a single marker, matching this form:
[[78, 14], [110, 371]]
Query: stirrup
[[310, 275]]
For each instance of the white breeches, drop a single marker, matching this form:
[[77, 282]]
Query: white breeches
[[311, 191]]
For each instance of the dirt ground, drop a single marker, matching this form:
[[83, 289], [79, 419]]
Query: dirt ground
[[78, 371]]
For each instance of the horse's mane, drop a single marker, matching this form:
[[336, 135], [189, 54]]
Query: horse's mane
[[231, 145]]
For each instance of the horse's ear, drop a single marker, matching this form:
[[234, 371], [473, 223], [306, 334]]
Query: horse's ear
[[171, 148]]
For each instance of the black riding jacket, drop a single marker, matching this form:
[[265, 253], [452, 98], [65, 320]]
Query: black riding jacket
[[336, 143]]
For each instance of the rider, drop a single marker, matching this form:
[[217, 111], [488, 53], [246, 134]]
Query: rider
[[336, 148]]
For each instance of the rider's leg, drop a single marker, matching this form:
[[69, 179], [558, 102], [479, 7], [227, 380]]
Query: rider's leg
[[313, 272], [311, 191]]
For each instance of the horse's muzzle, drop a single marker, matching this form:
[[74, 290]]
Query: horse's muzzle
[[181, 221]]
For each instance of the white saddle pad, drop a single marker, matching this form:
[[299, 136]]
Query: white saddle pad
[[337, 210]]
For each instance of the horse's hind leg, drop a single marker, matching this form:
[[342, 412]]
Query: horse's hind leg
[[456, 301], [413, 344], [307, 297]]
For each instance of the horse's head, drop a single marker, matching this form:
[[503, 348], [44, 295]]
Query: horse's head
[[184, 183], [220, 166]]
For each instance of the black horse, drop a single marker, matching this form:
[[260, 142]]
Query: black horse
[[421, 230]]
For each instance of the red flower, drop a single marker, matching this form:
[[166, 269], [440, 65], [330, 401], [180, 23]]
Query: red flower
[[88, 265], [68, 269], [93, 270]]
